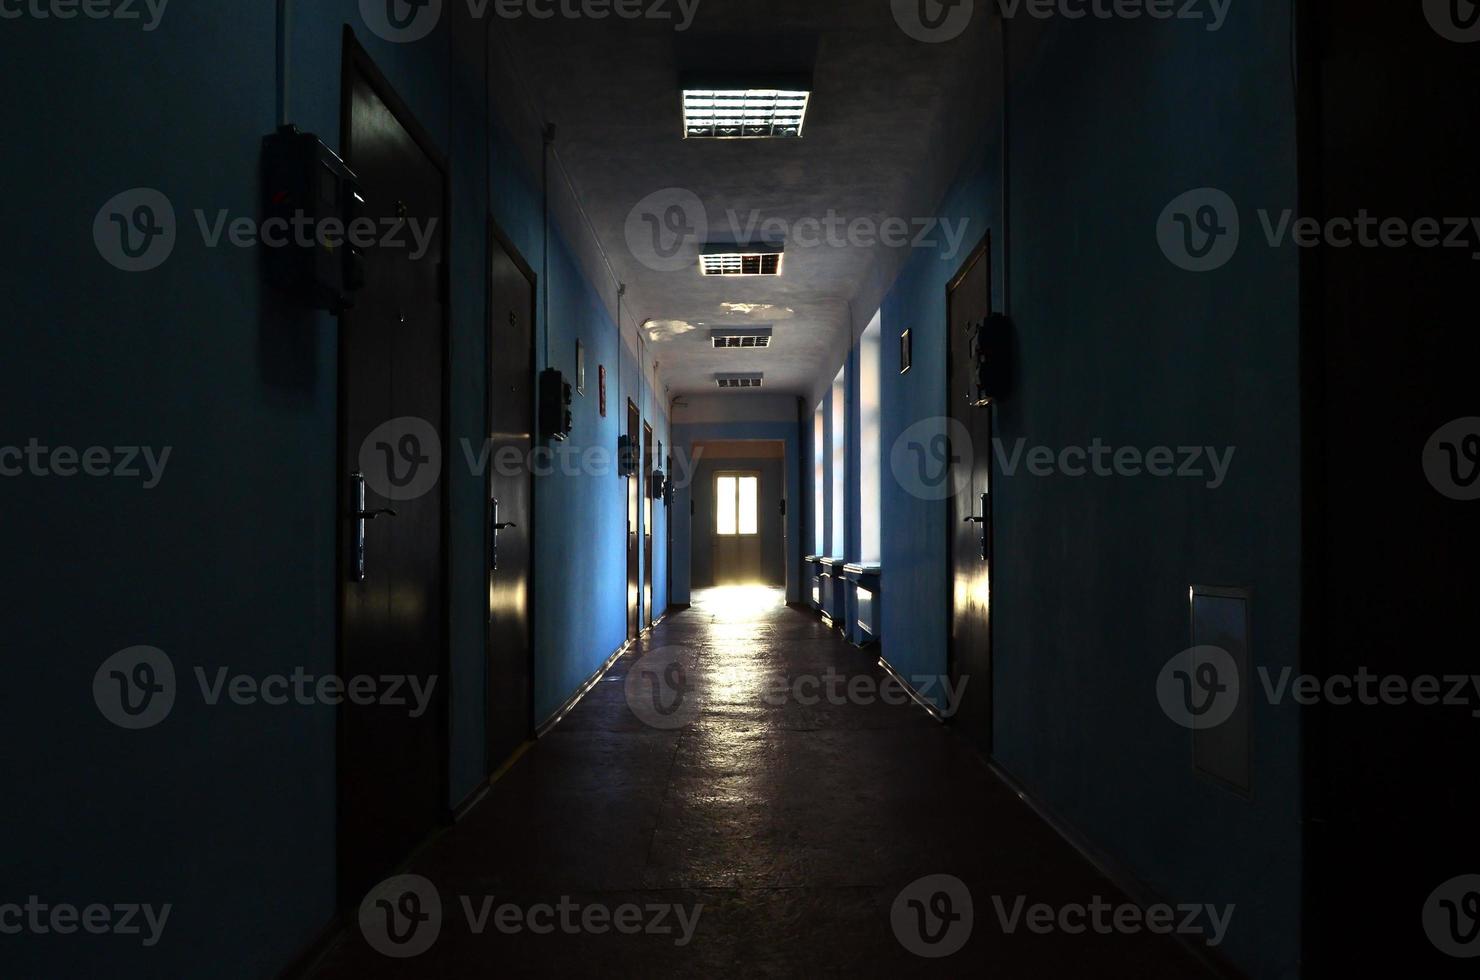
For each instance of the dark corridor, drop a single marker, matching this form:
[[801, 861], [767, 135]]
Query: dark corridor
[[779, 818], [740, 487]]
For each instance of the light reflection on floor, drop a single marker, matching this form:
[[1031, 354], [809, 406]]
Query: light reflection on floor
[[734, 602], [736, 738]]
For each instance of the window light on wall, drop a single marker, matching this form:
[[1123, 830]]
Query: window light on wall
[[839, 465], [819, 481], [870, 441]]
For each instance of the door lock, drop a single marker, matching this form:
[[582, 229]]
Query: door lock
[[982, 520], [361, 517], [497, 527]]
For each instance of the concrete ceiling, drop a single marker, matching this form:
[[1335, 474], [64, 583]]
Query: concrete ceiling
[[891, 120]]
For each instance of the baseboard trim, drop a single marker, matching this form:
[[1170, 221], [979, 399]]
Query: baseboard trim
[[474, 797], [930, 707], [544, 728], [477, 794], [1120, 876]]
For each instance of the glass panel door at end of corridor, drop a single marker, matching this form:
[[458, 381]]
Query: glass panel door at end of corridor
[[737, 542]]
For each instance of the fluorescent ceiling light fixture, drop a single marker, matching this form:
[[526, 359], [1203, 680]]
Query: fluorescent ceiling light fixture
[[740, 380], [741, 264], [741, 260], [745, 108], [741, 338]]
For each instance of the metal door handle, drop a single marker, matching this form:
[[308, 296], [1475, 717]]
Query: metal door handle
[[361, 517], [982, 520], [497, 527]]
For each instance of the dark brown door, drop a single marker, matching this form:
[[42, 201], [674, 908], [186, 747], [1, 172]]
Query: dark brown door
[[969, 523], [391, 762], [634, 491], [510, 499], [648, 464]]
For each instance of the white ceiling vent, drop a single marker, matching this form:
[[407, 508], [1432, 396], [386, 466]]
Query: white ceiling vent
[[741, 338], [740, 380]]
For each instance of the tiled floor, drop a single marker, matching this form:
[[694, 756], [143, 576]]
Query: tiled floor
[[789, 829]]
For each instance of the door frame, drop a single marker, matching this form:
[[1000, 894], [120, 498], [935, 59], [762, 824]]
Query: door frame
[[648, 505], [356, 60], [667, 504], [982, 251], [497, 236], [757, 536], [632, 516]]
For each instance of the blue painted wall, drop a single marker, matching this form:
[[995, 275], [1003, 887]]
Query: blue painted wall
[[230, 560], [581, 577], [915, 584], [1108, 123]]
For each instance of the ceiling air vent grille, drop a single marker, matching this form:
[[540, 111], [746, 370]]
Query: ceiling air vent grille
[[740, 380], [744, 338], [741, 264]]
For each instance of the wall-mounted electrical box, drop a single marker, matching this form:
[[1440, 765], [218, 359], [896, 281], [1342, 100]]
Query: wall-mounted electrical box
[[991, 359], [556, 399], [310, 200], [626, 456]]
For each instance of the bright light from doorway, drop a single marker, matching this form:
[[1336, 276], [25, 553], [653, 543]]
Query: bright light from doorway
[[740, 601], [749, 504], [736, 505]]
